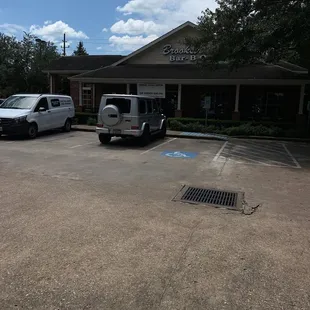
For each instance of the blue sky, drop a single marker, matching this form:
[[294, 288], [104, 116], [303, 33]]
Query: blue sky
[[105, 27]]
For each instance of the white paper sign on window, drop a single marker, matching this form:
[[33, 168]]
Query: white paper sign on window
[[152, 90]]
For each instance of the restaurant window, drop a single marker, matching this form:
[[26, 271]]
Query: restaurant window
[[273, 103], [220, 104]]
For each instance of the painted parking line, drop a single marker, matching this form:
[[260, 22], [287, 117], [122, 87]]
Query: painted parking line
[[248, 161], [262, 149], [216, 157], [79, 145], [274, 158], [155, 147], [258, 154], [291, 156]]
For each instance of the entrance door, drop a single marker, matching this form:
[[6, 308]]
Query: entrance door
[[88, 98]]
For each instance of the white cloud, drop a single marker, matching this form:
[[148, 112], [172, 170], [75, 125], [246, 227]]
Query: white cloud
[[105, 30], [98, 48], [11, 29], [156, 17], [146, 7], [128, 43], [136, 27], [55, 31], [169, 12]]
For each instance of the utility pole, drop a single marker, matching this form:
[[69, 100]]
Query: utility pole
[[64, 45]]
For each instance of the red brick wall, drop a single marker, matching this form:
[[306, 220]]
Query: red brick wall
[[74, 93]]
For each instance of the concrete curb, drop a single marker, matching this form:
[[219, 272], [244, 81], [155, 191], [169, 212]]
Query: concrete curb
[[215, 138], [193, 137], [83, 129]]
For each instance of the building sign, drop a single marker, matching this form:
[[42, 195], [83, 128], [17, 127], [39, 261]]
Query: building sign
[[152, 90], [182, 54]]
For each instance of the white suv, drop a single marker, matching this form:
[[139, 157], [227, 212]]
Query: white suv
[[129, 116]]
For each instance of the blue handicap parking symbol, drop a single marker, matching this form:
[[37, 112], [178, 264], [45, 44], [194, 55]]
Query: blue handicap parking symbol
[[179, 154]]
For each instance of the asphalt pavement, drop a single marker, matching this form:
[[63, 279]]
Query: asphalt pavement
[[86, 226]]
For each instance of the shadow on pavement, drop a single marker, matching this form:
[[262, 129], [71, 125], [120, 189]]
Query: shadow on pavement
[[131, 143]]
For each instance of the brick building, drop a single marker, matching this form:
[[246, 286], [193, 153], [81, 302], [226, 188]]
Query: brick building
[[166, 70]]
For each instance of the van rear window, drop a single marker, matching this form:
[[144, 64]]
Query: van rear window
[[122, 104]]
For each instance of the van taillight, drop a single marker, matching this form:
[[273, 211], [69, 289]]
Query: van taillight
[[134, 127], [99, 125]]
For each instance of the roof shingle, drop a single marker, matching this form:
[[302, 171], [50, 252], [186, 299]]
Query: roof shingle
[[262, 71], [82, 63]]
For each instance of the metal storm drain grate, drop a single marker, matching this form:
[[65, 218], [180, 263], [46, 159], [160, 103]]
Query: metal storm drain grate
[[219, 198]]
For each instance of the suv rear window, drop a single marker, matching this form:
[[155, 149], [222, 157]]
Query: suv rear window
[[122, 104]]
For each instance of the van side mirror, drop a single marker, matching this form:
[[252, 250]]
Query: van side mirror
[[42, 109]]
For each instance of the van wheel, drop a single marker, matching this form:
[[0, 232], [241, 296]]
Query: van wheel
[[146, 136], [67, 126], [104, 139], [32, 131]]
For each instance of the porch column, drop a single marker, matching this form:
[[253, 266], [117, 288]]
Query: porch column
[[127, 89], [301, 99], [178, 111], [94, 96], [51, 83], [301, 118], [80, 94], [236, 113]]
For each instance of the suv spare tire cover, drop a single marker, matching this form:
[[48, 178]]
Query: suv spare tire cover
[[110, 115]]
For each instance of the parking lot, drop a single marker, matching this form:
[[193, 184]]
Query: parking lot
[[91, 226]]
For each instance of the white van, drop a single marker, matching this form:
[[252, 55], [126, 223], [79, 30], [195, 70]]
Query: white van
[[28, 114]]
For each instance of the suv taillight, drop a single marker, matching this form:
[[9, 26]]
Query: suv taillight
[[99, 125], [134, 127]]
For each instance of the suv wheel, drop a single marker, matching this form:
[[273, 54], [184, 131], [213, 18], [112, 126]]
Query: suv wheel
[[104, 139], [146, 136], [163, 131]]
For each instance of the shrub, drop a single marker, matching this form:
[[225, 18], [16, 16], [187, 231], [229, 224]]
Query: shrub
[[193, 127], [83, 117], [91, 121], [231, 123], [247, 129], [175, 125], [250, 130]]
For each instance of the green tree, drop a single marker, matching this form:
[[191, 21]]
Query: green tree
[[245, 31], [9, 58], [22, 62], [80, 50]]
